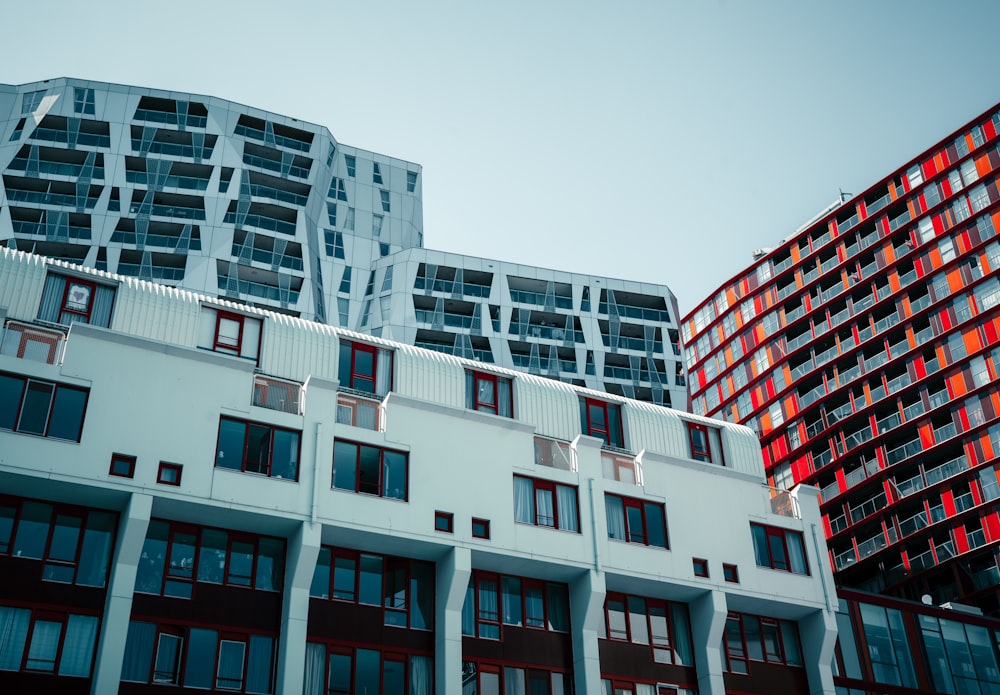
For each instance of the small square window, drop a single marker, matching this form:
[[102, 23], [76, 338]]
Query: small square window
[[169, 473], [122, 466], [700, 567], [730, 573], [444, 522], [481, 528]]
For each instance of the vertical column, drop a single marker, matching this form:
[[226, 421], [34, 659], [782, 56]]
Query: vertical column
[[118, 604], [708, 621], [451, 581], [818, 632], [300, 563], [586, 604]]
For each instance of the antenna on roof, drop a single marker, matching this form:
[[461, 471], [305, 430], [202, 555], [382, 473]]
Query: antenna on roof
[[844, 196]]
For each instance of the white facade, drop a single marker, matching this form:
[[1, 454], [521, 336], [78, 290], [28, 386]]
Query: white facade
[[158, 388], [227, 200]]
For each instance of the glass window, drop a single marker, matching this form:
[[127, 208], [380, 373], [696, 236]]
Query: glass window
[[230, 673], [168, 659], [779, 549], [602, 420], [489, 393], [370, 470], [199, 667], [543, 503]]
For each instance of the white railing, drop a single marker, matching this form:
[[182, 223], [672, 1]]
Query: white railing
[[624, 468], [783, 503], [29, 342], [277, 394], [358, 411], [555, 453]]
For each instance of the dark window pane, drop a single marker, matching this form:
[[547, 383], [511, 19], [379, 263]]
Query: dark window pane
[[35, 411], [32, 530], [345, 462], [138, 651], [230, 673], [368, 671], [371, 580], [6, 527], [656, 525], [344, 573], [240, 563], [11, 388], [230, 452], [368, 478], [321, 575], [66, 420], [168, 659], [285, 463], [258, 455], [637, 619], [149, 576], [340, 674], [393, 677], [776, 544], [511, 600], [636, 532], [200, 668], [616, 619], [95, 556], [270, 564], [395, 474], [421, 595], [558, 607], [260, 664], [61, 564], [534, 606], [212, 556]]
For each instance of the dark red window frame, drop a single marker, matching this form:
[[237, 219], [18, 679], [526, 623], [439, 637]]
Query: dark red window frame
[[700, 450], [551, 487], [164, 469], [776, 538], [740, 654], [731, 573], [122, 460], [444, 522], [495, 380], [381, 469], [64, 305], [268, 468], [218, 345], [349, 375], [612, 414], [480, 528], [700, 567], [663, 651], [56, 388], [641, 536], [537, 622]]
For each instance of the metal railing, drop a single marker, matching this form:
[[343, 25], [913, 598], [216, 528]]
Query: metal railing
[[28, 342], [277, 394]]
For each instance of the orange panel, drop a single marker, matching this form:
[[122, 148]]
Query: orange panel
[[996, 220], [983, 166], [926, 435], [934, 255], [955, 283], [894, 281], [956, 385], [889, 254], [972, 342]]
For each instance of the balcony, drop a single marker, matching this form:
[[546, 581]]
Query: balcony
[[553, 453], [355, 410], [872, 545], [619, 467], [913, 524], [448, 286], [868, 507], [29, 342], [845, 559], [449, 319], [784, 504], [277, 394]]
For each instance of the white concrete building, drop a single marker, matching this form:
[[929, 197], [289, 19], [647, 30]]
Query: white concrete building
[[201, 494], [223, 199]]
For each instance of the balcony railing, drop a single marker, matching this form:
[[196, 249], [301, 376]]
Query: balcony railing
[[29, 342], [277, 394], [357, 411], [554, 453], [618, 467], [784, 504]]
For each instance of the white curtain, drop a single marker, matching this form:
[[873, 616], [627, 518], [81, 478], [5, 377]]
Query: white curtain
[[645, 689], [544, 508], [44, 646], [78, 648], [796, 553], [52, 296], [615, 513], [566, 497], [504, 405], [104, 299], [230, 673], [524, 500], [420, 675], [513, 681], [13, 632], [315, 669], [383, 375]]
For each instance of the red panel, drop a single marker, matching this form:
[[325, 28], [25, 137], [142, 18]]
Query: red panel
[[936, 221], [801, 468], [989, 130], [991, 524], [929, 169], [841, 482], [961, 540], [926, 435], [948, 502]]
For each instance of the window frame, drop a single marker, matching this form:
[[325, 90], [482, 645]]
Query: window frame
[[473, 379], [382, 480], [269, 464], [700, 567], [218, 345], [165, 470], [612, 415], [551, 486], [658, 648], [639, 504], [777, 534], [730, 573], [353, 376], [444, 522], [481, 528], [56, 387], [87, 311], [125, 459]]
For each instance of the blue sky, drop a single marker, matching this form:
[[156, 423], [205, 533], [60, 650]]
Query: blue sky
[[655, 141]]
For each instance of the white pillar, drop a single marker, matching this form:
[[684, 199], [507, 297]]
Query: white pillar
[[586, 602], [818, 633], [300, 563], [132, 526], [451, 581], [708, 623]]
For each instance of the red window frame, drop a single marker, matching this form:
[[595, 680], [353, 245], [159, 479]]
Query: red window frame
[[777, 535], [122, 460], [481, 528], [491, 619], [767, 656], [731, 573], [48, 617], [642, 537], [495, 380], [218, 344], [166, 470], [700, 451], [610, 410], [381, 479], [700, 567], [444, 522], [353, 375], [64, 306], [551, 486], [663, 651], [267, 469]]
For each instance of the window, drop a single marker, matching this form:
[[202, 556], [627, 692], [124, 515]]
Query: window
[[636, 521], [602, 420], [757, 638], [544, 503], [331, 669], [706, 443], [493, 600], [67, 299], [444, 522], [254, 447], [779, 549], [481, 528], [176, 556], [404, 588], [122, 466], [337, 190], [199, 658], [700, 567], [83, 101], [47, 642], [369, 469], [31, 101], [730, 573], [377, 226], [376, 174], [42, 408], [365, 368], [384, 197], [411, 181], [352, 164], [662, 625], [489, 393], [229, 333], [169, 473]]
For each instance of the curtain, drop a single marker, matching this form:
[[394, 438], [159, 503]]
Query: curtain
[[315, 669], [524, 500], [230, 674], [513, 681], [78, 648], [470, 393], [544, 507], [683, 655], [511, 600], [259, 668], [13, 632], [645, 689], [104, 299], [366, 414], [469, 612], [52, 296], [558, 607], [615, 513], [138, 651], [383, 375], [420, 675], [44, 646], [504, 400], [796, 553], [566, 499]]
